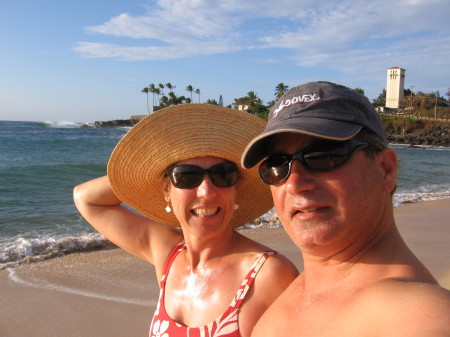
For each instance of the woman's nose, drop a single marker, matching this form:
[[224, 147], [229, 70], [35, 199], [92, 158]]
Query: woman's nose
[[206, 187]]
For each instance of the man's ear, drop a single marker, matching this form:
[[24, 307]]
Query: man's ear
[[389, 164]]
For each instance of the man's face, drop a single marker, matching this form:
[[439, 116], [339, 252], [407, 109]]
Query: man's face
[[328, 210]]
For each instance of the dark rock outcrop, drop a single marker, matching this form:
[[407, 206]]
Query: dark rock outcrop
[[435, 135], [117, 123], [398, 132]]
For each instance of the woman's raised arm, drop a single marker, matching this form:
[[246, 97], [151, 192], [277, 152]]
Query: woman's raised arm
[[138, 235]]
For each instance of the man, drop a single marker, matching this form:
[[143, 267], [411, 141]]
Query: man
[[332, 179]]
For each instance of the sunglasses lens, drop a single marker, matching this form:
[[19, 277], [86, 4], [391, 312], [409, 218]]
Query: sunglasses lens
[[191, 176], [186, 176], [326, 156], [275, 169], [323, 156], [223, 175]]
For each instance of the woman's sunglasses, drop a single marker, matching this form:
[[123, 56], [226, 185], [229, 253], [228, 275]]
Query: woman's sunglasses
[[191, 176], [319, 157]]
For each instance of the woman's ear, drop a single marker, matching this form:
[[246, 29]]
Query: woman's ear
[[389, 164], [165, 186]]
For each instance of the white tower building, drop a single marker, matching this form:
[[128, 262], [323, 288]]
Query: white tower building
[[395, 87]]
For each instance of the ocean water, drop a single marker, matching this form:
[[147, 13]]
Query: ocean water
[[41, 162]]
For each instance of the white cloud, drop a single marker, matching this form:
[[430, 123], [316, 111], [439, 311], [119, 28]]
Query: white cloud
[[151, 53], [172, 22], [338, 27], [347, 36]]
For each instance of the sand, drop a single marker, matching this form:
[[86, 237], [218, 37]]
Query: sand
[[110, 293]]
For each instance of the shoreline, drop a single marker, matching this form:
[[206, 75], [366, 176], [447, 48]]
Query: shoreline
[[111, 293], [66, 245]]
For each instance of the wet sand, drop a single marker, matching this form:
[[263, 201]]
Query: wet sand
[[110, 293]]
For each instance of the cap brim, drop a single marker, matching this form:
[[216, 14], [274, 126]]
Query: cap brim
[[257, 149]]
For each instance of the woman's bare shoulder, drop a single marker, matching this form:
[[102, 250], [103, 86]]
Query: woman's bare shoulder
[[276, 265]]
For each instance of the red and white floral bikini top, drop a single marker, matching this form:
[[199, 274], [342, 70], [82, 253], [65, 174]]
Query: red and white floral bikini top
[[227, 325]]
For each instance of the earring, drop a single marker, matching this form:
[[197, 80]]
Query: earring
[[168, 209], [236, 206]]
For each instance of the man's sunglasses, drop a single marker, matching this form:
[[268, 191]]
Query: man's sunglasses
[[191, 176], [318, 157]]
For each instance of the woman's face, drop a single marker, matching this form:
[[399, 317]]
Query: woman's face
[[205, 210]]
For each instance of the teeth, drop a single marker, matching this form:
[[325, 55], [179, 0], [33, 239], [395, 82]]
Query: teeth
[[308, 210], [205, 211]]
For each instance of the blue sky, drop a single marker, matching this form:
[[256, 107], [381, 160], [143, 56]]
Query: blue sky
[[84, 61]]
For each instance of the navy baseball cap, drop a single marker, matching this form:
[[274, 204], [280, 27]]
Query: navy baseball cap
[[319, 109]]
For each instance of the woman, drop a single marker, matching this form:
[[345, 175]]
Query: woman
[[178, 168]]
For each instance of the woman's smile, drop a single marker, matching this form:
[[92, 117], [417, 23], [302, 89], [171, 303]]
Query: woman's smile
[[205, 212]]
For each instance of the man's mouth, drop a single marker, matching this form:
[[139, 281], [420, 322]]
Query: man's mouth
[[307, 210], [309, 213]]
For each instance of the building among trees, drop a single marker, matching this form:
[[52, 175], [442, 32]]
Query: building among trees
[[395, 87]]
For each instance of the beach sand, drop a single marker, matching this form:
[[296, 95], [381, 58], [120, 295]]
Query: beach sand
[[110, 293]]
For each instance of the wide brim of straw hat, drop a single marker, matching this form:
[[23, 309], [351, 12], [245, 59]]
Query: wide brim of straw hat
[[181, 132]]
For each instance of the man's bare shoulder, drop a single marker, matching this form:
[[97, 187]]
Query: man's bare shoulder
[[275, 276], [400, 290], [405, 308], [283, 315], [386, 308]]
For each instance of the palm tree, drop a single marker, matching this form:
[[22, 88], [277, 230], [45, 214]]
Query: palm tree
[[253, 100], [164, 101], [161, 86], [157, 91], [190, 88], [152, 89], [146, 91], [173, 99], [170, 86], [280, 90], [197, 91]]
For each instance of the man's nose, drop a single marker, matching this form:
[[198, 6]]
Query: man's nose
[[300, 179]]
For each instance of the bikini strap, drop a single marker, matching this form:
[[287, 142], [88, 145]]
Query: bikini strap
[[173, 254], [251, 275]]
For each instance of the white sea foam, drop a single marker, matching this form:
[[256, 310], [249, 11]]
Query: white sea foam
[[61, 124], [24, 250], [33, 249], [412, 197]]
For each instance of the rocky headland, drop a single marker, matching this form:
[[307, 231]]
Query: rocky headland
[[418, 132], [117, 123], [398, 131]]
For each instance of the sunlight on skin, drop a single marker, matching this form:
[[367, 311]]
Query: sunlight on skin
[[195, 289]]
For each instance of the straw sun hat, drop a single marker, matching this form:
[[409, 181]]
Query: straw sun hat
[[178, 133]]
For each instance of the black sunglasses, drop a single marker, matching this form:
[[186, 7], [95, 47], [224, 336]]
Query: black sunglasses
[[318, 157], [191, 176]]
